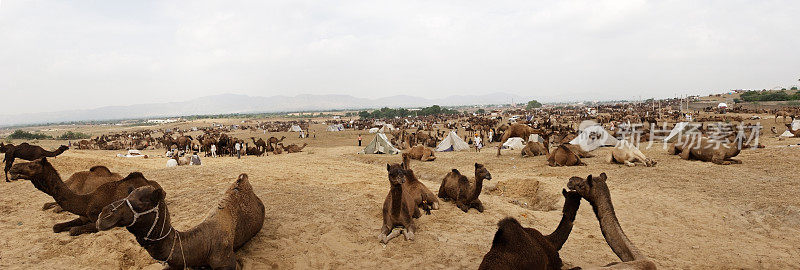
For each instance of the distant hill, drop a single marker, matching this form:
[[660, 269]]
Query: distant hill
[[232, 103]]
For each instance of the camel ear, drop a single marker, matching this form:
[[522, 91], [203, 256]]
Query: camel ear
[[388, 167], [158, 195], [477, 165], [564, 192], [130, 189], [602, 177], [589, 180]]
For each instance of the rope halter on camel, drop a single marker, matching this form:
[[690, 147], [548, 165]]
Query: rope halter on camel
[[136, 216]]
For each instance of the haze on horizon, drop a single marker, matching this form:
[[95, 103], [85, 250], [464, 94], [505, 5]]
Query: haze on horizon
[[81, 55]]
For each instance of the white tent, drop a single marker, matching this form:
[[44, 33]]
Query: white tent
[[380, 145], [722, 105], [295, 128], [514, 143], [678, 131], [373, 130], [593, 137], [337, 127], [535, 138], [452, 143], [787, 134], [386, 128]]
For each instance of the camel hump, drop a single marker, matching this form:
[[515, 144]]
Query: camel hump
[[133, 175], [100, 169], [506, 229]]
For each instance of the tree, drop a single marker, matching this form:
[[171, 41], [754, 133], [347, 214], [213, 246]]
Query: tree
[[794, 88], [480, 111], [533, 104]]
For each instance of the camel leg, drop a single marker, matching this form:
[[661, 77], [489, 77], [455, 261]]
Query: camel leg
[[226, 260], [734, 161], [686, 153], [49, 205], [408, 234], [478, 205], [383, 236], [9, 162], [60, 227], [462, 206], [630, 164], [89, 227], [393, 234]]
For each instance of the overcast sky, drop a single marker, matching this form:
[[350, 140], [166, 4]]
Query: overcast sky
[[57, 55]]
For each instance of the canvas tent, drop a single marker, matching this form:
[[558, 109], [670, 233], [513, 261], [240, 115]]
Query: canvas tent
[[722, 105], [373, 130], [380, 145], [452, 143], [337, 127], [386, 128], [592, 137], [514, 143], [295, 128]]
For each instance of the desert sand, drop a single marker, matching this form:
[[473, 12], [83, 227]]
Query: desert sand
[[324, 204]]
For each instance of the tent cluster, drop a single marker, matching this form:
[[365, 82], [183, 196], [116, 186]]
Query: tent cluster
[[337, 127]]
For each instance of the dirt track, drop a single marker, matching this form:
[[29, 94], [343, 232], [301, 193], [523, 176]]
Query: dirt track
[[323, 209]]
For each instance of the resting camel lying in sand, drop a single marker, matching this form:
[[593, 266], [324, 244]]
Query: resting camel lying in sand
[[795, 132], [564, 156], [704, 149], [45, 178], [421, 153], [595, 190], [456, 187], [27, 152], [399, 208], [578, 150], [423, 197], [628, 154], [292, 148], [85, 182], [232, 223], [515, 247], [533, 149]]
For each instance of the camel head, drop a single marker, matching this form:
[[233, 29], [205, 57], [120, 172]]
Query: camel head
[[29, 170], [592, 189], [63, 148], [397, 174], [121, 213], [650, 162], [481, 172]]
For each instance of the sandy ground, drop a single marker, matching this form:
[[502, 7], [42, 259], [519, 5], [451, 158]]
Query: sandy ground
[[323, 209]]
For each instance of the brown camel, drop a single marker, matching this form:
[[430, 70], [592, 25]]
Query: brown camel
[[423, 197], [628, 154], [27, 152], [254, 151], [518, 130], [85, 182], [274, 141], [421, 153], [231, 224], [794, 132], [710, 150], [533, 149], [260, 144], [785, 115], [515, 247], [399, 209], [563, 156], [45, 178], [456, 187], [184, 142], [578, 150], [595, 190], [293, 148]]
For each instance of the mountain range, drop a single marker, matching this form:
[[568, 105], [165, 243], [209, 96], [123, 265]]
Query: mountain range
[[234, 103]]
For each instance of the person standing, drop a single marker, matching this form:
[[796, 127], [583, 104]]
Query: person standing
[[478, 144], [359, 139], [213, 150], [490, 135], [238, 150]]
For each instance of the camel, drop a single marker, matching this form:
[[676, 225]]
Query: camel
[[277, 151], [423, 197], [275, 141], [533, 149], [184, 142], [518, 130], [628, 154], [260, 144], [255, 151], [231, 224], [421, 153], [293, 148], [577, 149], [86, 182], [785, 115], [515, 247], [88, 206], [595, 190], [27, 152], [399, 209], [794, 132], [456, 187], [564, 156], [702, 148]]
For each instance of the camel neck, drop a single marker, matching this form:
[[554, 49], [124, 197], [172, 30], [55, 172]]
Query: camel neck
[[159, 238], [612, 231], [397, 198], [561, 233], [478, 187], [50, 183]]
